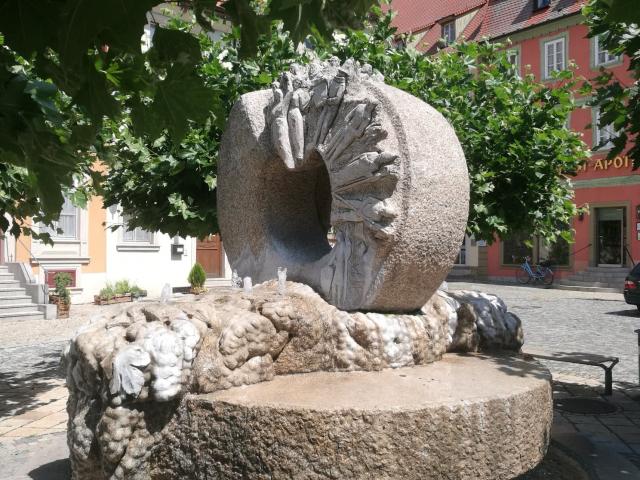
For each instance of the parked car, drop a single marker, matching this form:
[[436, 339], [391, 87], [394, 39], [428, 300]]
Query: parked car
[[632, 287]]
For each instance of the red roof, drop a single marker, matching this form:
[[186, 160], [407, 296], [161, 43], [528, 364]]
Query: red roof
[[495, 18], [508, 16], [417, 15]]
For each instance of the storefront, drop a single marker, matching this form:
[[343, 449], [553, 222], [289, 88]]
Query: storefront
[[607, 233]]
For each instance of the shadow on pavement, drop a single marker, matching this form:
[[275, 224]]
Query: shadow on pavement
[[56, 470], [625, 313], [20, 390]]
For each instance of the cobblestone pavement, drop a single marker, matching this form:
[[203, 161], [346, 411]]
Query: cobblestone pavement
[[32, 392], [568, 321]]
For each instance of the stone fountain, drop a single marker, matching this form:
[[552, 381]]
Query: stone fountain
[[360, 367]]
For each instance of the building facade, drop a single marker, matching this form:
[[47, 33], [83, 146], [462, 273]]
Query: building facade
[[545, 36], [95, 246], [87, 245]]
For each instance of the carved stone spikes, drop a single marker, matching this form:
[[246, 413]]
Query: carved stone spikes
[[356, 121], [365, 168]]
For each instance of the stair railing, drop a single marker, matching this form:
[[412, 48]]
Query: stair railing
[[628, 253], [44, 287]]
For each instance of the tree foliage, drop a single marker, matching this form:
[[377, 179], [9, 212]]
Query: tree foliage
[[512, 129], [67, 65], [617, 22]]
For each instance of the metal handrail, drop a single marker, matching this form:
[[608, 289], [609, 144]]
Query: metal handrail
[[581, 249], [44, 286], [626, 250]]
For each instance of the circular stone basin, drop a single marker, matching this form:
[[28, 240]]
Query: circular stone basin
[[467, 416]]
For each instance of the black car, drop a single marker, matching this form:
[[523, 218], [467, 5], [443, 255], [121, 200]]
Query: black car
[[632, 287]]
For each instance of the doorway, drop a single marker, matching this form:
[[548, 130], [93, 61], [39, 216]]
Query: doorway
[[210, 254], [610, 236]]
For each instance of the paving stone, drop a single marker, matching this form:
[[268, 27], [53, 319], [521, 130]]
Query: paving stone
[[570, 321], [593, 428], [618, 420]]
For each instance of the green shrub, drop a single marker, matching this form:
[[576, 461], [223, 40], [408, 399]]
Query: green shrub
[[123, 287], [108, 292], [62, 281], [197, 276]]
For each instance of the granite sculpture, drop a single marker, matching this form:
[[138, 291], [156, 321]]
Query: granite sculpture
[[332, 146], [178, 389], [126, 373]]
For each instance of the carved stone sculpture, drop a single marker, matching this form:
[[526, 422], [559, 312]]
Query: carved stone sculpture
[[170, 390], [331, 145], [126, 373]]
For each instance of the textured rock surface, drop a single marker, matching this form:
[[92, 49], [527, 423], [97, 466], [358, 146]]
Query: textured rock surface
[[465, 417], [331, 146], [127, 373]]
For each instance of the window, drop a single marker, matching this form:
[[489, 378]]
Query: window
[[558, 253], [147, 37], [601, 55], [515, 246], [461, 259], [554, 56], [603, 134], [50, 277], [513, 57], [538, 4], [67, 223], [136, 235], [449, 32]]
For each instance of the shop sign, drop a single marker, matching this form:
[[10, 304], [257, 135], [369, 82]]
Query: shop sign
[[618, 163]]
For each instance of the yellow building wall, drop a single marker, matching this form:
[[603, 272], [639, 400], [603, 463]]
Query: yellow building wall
[[23, 247], [96, 236]]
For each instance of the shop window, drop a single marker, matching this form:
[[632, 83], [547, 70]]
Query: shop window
[[554, 56], [66, 227], [135, 235], [558, 252], [516, 247], [601, 55]]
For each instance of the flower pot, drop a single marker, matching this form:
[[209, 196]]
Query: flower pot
[[63, 309], [98, 300]]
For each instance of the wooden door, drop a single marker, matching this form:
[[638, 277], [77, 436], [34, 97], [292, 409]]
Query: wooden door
[[209, 254]]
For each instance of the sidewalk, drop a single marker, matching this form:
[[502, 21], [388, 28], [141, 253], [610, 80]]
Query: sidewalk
[[607, 446]]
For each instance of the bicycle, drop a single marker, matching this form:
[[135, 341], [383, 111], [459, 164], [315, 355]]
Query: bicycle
[[538, 273]]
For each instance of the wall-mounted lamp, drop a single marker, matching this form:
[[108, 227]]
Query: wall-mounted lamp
[[581, 216]]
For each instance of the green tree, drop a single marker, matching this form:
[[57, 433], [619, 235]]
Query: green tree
[[197, 276], [512, 129], [617, 22], [67, 65]]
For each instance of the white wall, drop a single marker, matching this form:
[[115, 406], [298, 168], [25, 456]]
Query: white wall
[[150, 266]]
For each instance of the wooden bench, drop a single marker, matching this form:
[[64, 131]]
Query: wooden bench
[[604, 362]]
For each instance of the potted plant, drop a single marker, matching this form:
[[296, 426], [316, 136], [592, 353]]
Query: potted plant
[[197, 277], [121, 292], [61, 296]]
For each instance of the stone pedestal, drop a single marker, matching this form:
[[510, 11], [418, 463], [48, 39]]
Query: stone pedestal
[[468, 416]]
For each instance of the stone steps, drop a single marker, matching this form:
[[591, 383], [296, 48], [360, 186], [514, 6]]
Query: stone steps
[[12, 300], [217, 282], [15, 304], [11, 291], [577, 288], [595, 279], [23, 315]]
